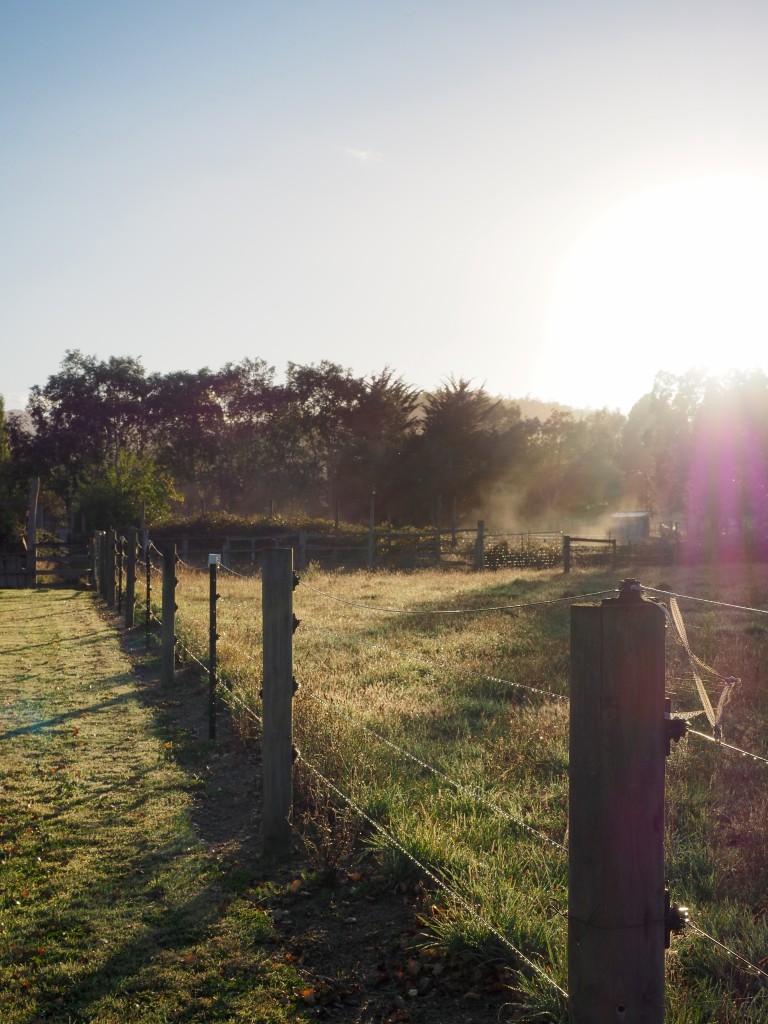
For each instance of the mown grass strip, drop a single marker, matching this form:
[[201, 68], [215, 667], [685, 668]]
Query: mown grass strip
[[112, 909]]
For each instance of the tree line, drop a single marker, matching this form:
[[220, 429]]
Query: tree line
[[111, 442]]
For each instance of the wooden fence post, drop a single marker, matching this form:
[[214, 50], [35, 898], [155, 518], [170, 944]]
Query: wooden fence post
[[110, 565], [96, 560], [119, 560], [480, 546], [616, 894], [566, 553], [213, 636], [372, 532], [277, 695], [438, 527], [147, 592], [132, 544], [168, 616], [103, 564], [302, 549]]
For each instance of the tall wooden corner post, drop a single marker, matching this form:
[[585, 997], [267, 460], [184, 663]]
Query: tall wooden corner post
[[616, 902], [277, 694]]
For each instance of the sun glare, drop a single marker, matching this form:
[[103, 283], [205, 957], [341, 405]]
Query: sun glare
[[670, 278]]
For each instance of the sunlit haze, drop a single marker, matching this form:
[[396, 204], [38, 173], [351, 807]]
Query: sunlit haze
[[672, 276], [555, 200]]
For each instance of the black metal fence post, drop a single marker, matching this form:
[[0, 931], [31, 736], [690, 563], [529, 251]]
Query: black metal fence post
[[213, 636]]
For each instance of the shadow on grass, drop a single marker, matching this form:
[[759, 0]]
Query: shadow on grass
[[166, 895], [65, 717], [58, 642]]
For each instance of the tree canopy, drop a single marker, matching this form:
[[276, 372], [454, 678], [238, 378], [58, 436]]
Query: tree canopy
[[112, 442]]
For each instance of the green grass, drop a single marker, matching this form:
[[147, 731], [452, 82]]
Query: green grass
[[112, 910], [455, 691]]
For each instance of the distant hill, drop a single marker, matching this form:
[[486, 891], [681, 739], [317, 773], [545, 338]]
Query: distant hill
[[531, 408]]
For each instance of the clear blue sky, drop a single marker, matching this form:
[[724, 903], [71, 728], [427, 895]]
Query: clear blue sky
[[551, 198]]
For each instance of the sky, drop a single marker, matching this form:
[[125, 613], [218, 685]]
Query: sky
[[551, 199]]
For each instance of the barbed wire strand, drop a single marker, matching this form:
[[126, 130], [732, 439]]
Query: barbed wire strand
[[389, 838], [728, 746], [155, 569], [233, 572], [191, 656], [704, 600], [231, 697], [476, 794], [432, 663], [736, 956], [421, 659], [384, 610], [151, 546]]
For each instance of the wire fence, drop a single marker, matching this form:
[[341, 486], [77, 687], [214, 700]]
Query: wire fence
[[241, 701]]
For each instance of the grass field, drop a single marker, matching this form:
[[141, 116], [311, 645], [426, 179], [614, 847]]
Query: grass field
[[446, 724], [436, 703]]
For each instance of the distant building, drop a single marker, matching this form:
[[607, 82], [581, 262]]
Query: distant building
[[630, 527]]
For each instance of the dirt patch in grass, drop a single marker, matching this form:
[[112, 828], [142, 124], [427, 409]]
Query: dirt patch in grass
[[132, 886]]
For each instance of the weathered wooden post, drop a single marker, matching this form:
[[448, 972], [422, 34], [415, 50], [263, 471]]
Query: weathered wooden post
[[566, 553], [110, 567], [372, 532], [168, 616], [132, 545], [98, 538], [302, 549], [480, 546], [616, 901], [147, 592], [119, 563], [438, 527], [277, 695], [213, 636], [103, 563]]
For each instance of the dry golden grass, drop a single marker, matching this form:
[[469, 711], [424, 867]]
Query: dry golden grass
[[424, 707]]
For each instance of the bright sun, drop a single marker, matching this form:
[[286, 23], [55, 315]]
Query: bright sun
[[670, 278]]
